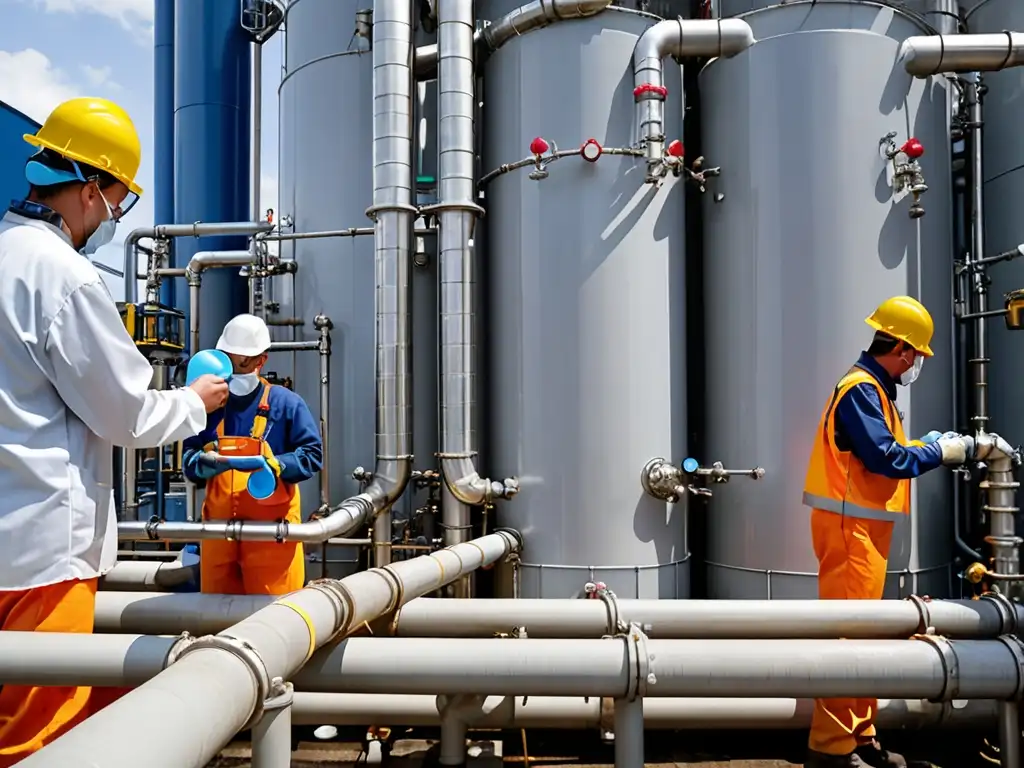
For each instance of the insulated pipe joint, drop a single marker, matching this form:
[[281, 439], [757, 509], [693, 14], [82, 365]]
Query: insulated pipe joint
[[249, 656]]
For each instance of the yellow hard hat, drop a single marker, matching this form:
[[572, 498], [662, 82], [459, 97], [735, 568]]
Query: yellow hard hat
[[96, 132], [905, 319]]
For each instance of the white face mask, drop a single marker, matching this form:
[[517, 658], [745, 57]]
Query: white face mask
[[910, 375], [104, 232], [243, 384]]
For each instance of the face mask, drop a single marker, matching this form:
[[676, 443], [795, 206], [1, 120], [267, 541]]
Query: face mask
[[910, 375], [243, 384], [103, 234]]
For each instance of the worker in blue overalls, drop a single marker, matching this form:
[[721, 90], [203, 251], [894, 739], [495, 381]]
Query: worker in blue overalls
[[259, 419]]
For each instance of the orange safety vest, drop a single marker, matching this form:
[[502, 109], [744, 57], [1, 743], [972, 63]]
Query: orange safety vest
[[837, 481], [226, 494]]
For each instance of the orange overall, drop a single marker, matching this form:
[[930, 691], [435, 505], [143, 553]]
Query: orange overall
[[250, 568], [31, 717], [852, 517]]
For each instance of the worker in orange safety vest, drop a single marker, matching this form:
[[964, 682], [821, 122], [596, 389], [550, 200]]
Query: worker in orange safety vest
[[259, 419], [858, 486]]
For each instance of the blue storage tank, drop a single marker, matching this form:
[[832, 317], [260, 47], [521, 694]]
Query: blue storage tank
[[13, 153], [212, 62], [163, 125]]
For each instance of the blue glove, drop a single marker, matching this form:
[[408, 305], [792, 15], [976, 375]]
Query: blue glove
[[931, 437], [207, 465]]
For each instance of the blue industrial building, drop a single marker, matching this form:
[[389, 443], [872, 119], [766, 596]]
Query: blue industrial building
[[13, 152]]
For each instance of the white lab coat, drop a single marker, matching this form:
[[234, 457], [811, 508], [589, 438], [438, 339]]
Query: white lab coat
[[72, 385]]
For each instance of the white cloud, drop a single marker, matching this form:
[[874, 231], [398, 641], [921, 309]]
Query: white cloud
[[30, 82], [99, 77], [133, 15]]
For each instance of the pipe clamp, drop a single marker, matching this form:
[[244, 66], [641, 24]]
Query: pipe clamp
[[950, 667], [249, 656], [924, 626], [1006, 609], [340, 598], [1016, 648]]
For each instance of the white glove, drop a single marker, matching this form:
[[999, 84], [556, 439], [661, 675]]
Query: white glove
[[956, 449]]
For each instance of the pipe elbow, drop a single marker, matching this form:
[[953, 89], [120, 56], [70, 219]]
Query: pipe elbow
[[466, 484], [688, 37], [390, 478], [344, 518]]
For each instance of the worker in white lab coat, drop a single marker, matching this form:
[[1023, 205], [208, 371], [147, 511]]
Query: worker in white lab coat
[[72, 385]]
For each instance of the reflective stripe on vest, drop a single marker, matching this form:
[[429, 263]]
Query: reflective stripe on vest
[[848, 509]]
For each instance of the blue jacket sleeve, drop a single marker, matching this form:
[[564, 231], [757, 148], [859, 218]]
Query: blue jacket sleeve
[[861, 421], [192, 447], [306, 450]]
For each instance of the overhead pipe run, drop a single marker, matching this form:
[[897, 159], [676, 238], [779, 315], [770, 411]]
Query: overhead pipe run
[[172, 231], [527, 18], [680, 38], [931, 667], [220, 684], [990, 616], [584, 713], [393, 213], [931, 54], [457, 294]]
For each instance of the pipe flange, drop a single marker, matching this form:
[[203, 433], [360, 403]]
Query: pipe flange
[[467, 207], [924, 625], [341, 599], [1007, 610], [373, 210], [950, 666], [249, 656], [1016, 649]]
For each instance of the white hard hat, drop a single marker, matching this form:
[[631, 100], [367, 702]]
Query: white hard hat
[[245, 335]]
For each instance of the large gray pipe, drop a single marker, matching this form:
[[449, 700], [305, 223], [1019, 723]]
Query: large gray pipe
[[932, 667], [457, 213], [134, 576], [527, 18], [171, 231], [217, 684], [680, 38], [393, 212], [929, 55], [663, 619], [563, 712]]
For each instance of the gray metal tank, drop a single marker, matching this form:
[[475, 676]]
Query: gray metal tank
[[586, 315], [803, 239], [326, 182], [1003, 158]]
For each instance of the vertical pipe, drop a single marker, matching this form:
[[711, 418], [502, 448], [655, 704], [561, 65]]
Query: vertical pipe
[[211, 153], [629, 733], [272, 735], [979, 355], [393, 212], [324, 325], [257, 303], [1009, 734], [163, 129]]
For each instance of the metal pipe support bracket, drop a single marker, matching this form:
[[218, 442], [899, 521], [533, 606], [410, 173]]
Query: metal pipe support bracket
[[640, 663], [248, 656]]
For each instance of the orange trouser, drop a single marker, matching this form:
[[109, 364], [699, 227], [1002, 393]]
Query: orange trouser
[[251, 568], [31, 717], [852, 555]]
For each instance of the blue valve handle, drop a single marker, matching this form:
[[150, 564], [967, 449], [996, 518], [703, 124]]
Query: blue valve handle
[[690, 465]]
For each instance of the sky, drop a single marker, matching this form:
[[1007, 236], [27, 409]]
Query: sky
[[52, 50]]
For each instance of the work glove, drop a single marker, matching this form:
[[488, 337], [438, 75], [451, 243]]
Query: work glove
[[956, 448], [208, 464], [272, 462], [932, 436]]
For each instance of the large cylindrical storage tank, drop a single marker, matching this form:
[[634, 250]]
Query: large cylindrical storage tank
[[1003, 159], [211, 148], [803, 239], [326, 183], [163, 125], [586, 315]]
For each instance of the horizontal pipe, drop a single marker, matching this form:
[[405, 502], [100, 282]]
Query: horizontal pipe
[[169, 231], [350, 232], [892, 669], [344, 519], [929, 55], [662, 619], [564, 712], [53, 658], [312, 345], [204, 260], [143, 576], [225, 678]]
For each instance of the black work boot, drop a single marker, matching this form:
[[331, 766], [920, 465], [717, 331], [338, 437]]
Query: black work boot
[[823, 760], [872, 754]]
